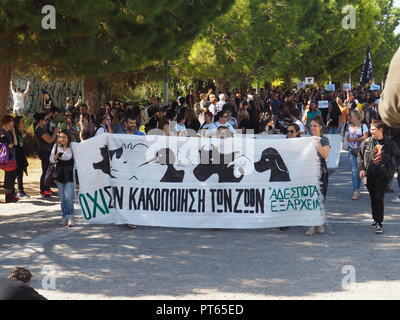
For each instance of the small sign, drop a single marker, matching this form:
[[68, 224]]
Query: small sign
[[374, 87], [346, 86], [301, 85], [330, 87], [309, 80], [323, 104]]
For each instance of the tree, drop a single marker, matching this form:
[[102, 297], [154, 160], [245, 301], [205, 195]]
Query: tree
[[94, 38], [264, 40]]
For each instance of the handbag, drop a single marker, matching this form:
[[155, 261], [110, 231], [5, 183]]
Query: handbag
[[4, 153], [50, 175], [9, 166]]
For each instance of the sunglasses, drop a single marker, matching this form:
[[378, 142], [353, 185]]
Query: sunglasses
[[291, 131], [67, 116]]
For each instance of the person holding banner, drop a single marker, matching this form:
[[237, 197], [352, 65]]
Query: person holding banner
[[323, 148], [62, 156], [375, 164], [357, 132], [293, 131]]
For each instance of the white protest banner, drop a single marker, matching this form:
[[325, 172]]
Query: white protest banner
[[335, 141], [309, 80], [199, 182], [323, 104], [330, 87]]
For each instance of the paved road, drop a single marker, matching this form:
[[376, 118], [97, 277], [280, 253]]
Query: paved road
[[114, 262]]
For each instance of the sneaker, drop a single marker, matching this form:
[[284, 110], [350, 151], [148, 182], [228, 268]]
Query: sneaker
[[378, 228], [132, 226], [283, 228], [22, 195], [71, 222], [45, 195], [356, 195], [63, 221], [11, 198], [311, 231], [320, 229], [395, 200], [373, 225]]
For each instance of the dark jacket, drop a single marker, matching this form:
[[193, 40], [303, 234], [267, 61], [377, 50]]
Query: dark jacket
[[22, 162], [17, 290], [390, 149]]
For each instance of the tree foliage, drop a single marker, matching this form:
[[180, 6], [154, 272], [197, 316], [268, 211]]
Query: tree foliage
[[266, 40]]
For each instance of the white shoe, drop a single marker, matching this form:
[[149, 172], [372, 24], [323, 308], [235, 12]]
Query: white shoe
[[356, 195], [395, 200], [63, 222], [71, 222], [310, 231], [320, 229]]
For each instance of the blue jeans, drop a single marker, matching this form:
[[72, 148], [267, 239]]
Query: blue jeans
[[333, 130], [354, 172], [66, 194]]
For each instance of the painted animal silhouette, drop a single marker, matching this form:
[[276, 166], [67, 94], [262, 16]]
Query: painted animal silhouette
[[230, 167], [166, 157], [272, 160]]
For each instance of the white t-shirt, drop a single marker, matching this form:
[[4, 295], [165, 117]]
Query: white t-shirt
[[101, 130], [180, 129], [18, 98], [301, 125], [213, 109], [356, 133]]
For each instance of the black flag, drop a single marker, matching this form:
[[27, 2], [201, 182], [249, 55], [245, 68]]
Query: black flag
[[366, 74]]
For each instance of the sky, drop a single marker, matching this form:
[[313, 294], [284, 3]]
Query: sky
[[397, 4]]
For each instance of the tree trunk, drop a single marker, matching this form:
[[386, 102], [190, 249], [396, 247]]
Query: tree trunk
[[5, 72], [91, 94], [221, 85], [288, 82]]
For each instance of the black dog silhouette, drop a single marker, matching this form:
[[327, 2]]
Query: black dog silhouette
[[104, 165], [272, 160], [166, 157], [213, 162]]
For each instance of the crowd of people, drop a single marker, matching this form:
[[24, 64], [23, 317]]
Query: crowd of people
[[312, 111]]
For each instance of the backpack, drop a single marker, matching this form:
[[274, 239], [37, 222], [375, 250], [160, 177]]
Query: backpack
[[4, 153]]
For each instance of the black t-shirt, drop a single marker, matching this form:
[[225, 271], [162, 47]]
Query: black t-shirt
[[17, 290], [43, 145]]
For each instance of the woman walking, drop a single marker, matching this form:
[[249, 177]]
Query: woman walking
[[375, 164], [323, 148], [356, 134], [61, 155]]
